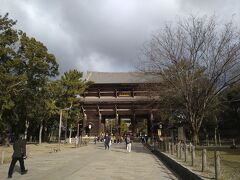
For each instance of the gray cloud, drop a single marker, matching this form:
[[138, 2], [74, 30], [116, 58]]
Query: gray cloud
[[224, 9], [103, 35]]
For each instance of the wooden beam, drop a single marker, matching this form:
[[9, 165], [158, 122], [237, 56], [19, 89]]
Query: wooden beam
[[118, 110]]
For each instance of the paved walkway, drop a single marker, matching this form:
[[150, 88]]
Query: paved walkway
[[94, 163]]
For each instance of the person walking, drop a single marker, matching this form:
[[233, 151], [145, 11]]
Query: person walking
[[107, 141], [95, 139], [129, 143], [19, 154], [126, 140], [110, 141]]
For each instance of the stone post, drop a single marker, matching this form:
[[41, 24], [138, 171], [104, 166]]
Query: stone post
[[165, 146], [190, 147], [204, 160], [171, 148], [2, 158], [217, 165], [193, 155], [154, 145], [178, 149], [219, 139], [161, 146], [181, 151], [177, 154], [174, 148], [185, 152]]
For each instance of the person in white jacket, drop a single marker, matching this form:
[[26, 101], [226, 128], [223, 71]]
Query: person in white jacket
[[129, 143]]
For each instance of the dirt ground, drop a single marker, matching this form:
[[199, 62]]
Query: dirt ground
[[34, 149]]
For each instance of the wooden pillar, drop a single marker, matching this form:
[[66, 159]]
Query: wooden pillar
[[99, 93], [151, 124], [119, 127], [116, 93], [84, 124], [134, 123], [99, 124], [117, 122], [104, 126], [133, 92]]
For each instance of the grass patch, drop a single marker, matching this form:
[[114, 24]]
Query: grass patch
[[230, 161]]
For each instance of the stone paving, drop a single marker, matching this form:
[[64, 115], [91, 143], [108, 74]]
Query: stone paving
[[93, 162]]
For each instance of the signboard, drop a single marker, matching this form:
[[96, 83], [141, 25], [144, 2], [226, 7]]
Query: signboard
[[124, 94]]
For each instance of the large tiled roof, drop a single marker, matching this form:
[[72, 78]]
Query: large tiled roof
[[119, 77]]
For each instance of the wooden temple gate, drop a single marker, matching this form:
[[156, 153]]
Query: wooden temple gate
[[115, 96]]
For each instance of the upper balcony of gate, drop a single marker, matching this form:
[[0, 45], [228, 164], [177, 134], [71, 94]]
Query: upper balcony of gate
[[118, 86]]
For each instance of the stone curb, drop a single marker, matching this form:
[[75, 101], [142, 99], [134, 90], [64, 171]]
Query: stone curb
[[181, 171]]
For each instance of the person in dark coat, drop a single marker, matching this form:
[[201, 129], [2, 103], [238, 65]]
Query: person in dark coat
[[107, 141], [19, 154]]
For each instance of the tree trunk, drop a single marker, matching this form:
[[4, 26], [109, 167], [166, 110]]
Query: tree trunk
[[40, 132], [66, 132], [70, 135], [219, 139], [26, 129], [195, 137], [215, 136], [51, 136]]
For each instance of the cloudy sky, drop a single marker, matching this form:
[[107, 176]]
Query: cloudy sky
[[104, 35]]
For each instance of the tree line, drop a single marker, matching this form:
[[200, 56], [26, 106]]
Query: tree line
[[31, 92]]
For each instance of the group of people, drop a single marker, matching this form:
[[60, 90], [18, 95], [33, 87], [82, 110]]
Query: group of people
[[108, 142]]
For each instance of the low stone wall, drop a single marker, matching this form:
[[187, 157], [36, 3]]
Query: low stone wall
[[181, 171]]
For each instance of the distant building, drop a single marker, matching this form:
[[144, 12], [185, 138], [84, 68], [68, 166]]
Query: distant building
[[116, 96]]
